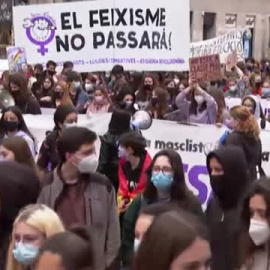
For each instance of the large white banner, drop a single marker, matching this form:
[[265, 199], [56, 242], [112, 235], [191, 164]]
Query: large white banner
[[96, 35], [222, 45], [193, 143]]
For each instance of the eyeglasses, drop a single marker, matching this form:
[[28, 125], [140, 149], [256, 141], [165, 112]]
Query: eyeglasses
[[165, 170]]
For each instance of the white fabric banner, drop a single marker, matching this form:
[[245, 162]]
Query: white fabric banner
[[96, 35], [222, 45], [193, 143]]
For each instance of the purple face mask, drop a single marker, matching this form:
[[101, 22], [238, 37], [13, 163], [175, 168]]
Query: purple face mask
[[228, 123]]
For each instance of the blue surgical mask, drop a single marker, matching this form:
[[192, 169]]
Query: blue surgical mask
[[162, 181], [77, 85], [25, 254], [266, 91]]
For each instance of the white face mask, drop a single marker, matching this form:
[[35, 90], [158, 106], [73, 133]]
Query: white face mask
[[70, 125], [89, 87], [259, 232], [137, 243], [199, 100], [233, 88], [176, 81], [88, 164]]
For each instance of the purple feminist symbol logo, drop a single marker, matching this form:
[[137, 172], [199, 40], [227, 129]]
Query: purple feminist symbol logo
[[40, 30]]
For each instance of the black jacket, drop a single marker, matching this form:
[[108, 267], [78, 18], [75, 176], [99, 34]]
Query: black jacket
[[223, 214], [31, 106], [251, 148], [19, 186], [108, 158]]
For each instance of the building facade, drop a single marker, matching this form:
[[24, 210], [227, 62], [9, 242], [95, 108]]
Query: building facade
[[211, 18]]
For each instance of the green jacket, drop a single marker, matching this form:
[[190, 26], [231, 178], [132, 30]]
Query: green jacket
[[128, 232]]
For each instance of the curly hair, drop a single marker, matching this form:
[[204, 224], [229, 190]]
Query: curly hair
[[247, 123]]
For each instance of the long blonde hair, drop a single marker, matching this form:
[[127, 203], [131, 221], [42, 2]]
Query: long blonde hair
[[247, 123], [41, 218]]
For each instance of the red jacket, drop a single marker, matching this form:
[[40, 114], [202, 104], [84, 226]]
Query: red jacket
[[123, 190]]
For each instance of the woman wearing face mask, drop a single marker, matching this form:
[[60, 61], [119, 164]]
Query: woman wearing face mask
[[125, 100], [202, 108], [24, 99], [12, 124], [46, 92], [172, 89], [227, 169], [233, 91], [61, 95], [158, 106], [78, 97], [34, 224], [17, 149], [266, 89], [175, 241], [165, 183], [252, 103], [65, 116], [143, 96], [255, 233], [245, 134], [100, 103]]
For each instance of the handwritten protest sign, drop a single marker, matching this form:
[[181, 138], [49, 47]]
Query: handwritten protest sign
[[96, 35], [206, 68], [16, 59], [222, 45]]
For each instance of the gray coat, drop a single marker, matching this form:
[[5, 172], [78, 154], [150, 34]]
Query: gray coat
[[101, 215]]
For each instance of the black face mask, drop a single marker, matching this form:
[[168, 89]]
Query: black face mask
[[258, 85], [10, 126], [58, 94], [218, 185], [154, 101], [51, 72], [147, 87]]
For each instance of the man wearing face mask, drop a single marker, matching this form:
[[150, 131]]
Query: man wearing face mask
[[83, 197], [78, 96], [228, 178]]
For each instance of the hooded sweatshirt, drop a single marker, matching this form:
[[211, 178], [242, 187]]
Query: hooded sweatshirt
[[19, 186], [223, 211]]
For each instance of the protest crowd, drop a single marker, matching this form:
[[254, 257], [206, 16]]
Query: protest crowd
[[65, 207], [82, 199]]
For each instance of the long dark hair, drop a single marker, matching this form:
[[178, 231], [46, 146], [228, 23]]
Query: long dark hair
[[120, 122], [47, 92], [22, 95], [193, 105], [22, 125], [179, 189], [246, 245], [142, 95], [169, 236]]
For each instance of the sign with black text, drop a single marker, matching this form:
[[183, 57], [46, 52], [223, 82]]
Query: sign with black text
[[96, 35]]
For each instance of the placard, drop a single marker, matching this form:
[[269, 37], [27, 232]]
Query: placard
[[206, 68], [16, 59], [96, 35], [222, 45]]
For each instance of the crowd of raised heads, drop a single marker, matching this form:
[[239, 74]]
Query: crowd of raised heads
[[68, 205]]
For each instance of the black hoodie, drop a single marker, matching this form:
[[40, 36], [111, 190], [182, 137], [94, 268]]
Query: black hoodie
[[223, 213], [19, 186]]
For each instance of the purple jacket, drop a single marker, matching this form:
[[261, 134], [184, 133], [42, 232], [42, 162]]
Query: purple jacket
[[207, 116]]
